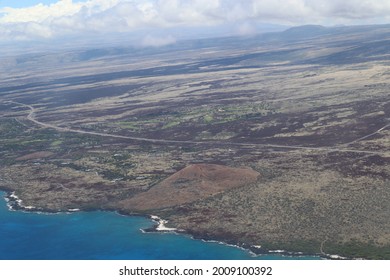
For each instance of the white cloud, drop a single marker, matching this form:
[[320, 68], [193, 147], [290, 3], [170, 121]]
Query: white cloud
[[40, 12], [246, 29], [284, 11], [157, 41], [350, 9], [109, 16], [37, 30]]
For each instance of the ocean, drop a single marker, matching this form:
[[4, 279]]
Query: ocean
[[100, 235]]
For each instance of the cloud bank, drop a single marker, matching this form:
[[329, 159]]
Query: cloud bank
[[124, 16]]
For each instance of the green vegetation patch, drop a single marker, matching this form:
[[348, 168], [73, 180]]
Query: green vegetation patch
[[356, 249], [194, 116], [17, 140], [56, 143]]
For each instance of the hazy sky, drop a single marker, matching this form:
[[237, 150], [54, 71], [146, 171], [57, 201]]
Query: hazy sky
[[22, 20]]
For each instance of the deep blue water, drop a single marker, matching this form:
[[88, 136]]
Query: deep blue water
[[100, 235]]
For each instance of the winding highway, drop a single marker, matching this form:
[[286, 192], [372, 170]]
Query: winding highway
[[32, 117]]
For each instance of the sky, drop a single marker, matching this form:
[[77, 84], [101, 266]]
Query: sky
[[161, 22]]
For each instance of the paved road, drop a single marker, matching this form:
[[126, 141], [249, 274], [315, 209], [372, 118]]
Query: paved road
[[369, 135], [32, 117]]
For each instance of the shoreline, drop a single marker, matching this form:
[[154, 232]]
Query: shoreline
[[14, 203], [253, 250], [161, 225]]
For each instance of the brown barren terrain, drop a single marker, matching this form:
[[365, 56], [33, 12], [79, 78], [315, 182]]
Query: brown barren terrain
[[194, 182]]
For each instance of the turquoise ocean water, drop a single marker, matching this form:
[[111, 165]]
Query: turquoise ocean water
[[101, 235]]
